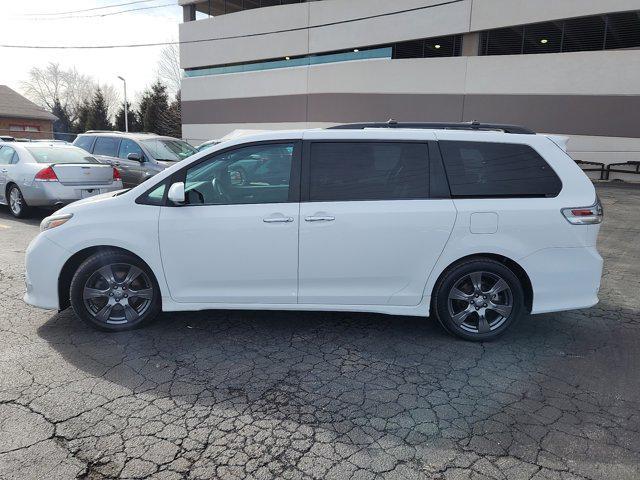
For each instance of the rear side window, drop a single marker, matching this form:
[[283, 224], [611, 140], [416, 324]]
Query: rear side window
[[483, 169], [85, 143], [107, 146], [345, 171]]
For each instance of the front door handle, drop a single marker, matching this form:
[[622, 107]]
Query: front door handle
[[320, 218], [278, 220]]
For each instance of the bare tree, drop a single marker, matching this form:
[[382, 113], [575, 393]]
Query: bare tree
[[112, 99], [52, 84], [169, 71]]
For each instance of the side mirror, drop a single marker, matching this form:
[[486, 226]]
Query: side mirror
[[176, 193], [135, 156]]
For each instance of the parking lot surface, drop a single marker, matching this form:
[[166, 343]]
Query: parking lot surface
[[325, 395]]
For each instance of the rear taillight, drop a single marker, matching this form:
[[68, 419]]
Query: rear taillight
[[116, 174], [584, 215], [46, 175]]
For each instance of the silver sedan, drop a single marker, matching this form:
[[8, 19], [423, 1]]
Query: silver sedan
[[50, 175]]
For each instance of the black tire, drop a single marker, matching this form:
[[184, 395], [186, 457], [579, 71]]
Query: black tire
[[124, 295], [18, 208], [461, 311]]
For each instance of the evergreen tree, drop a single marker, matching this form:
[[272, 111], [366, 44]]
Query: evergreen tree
[[81, 123], [132, 117], [61, 127], [154, 105], [172, 119], [98, 118]]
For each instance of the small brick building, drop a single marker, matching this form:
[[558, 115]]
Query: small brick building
[[21, 118]]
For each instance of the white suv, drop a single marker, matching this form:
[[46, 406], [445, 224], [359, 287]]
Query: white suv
[[475, 224]]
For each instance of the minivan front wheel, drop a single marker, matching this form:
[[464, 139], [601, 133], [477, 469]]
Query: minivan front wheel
[[479, 299], [114, 291]]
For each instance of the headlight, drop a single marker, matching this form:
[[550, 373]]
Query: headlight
[[55, 221]]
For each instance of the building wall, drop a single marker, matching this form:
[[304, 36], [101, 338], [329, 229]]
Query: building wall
[[594, 97], [45, 127]]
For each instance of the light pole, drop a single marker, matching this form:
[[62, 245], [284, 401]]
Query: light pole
[[126, 107]]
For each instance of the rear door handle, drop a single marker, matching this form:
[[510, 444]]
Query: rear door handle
[[278, 220], [320, 218]]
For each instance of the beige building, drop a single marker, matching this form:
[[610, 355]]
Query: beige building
[[568, 67]]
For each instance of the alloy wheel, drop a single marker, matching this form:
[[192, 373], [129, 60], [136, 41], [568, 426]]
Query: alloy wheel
[[118, 293], [15, 201], [480, 302]]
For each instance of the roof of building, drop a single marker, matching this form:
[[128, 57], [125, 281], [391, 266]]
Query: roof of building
[[14, 105]]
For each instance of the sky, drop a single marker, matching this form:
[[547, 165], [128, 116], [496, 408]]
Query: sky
[[30, 23]]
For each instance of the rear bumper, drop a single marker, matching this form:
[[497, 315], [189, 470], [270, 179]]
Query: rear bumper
[[44, 261], [48, 194], [564, 278]]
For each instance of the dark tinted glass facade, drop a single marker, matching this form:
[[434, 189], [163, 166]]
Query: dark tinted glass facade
[[346, 171], [222, 7], [483, 169], [449, 46], [599, 32]]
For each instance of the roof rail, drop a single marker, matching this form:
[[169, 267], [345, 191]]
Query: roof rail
[[474, 125], [120, 132], [103, 131]]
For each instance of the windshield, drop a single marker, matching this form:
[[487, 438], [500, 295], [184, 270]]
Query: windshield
[[169, 150], [60, 155]]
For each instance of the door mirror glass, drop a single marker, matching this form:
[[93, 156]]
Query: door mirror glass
[[176, 193], [135, 156]]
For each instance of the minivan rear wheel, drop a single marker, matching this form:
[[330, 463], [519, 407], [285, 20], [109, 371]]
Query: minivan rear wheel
[[478, 299], [115, 291]]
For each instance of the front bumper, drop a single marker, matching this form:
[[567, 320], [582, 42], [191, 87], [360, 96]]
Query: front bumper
[[43, 194], [44, 261]]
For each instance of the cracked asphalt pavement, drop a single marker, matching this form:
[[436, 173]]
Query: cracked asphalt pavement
[[325, 395]]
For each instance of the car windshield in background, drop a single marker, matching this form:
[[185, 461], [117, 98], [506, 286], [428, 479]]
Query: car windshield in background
[[169, 150], [60, 155]]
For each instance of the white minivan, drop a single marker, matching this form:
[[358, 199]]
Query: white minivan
[[472, 223]]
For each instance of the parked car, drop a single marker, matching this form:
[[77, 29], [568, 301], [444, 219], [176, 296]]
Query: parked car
[[50, 175], [137, 156], [470, 225], [207, 144], [6, 138], [57, 142], [234, 135]]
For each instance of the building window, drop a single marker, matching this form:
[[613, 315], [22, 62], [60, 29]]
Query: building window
[[214, 8], [423, 48], [598, 32], [24, 128]]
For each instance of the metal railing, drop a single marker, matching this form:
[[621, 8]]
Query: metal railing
[[597, 167], [633, 163]]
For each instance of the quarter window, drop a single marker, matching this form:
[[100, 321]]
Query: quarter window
[[85, 143], [107, 146], [345, 171], [483, 169], [256, 174], [6, 155]]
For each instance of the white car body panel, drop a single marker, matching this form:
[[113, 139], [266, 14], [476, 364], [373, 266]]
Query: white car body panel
[[377, 256], [373, 253], [252, 262]]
